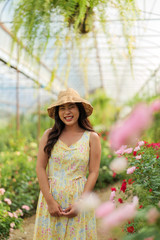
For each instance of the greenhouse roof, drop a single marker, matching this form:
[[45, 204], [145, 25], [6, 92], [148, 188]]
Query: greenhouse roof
[[100, 60]]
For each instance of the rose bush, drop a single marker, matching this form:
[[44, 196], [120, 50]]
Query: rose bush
[[143, 180], [19, 186]]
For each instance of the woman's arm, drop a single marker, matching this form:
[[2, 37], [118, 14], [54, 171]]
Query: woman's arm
[[42, 160], [94, 162]]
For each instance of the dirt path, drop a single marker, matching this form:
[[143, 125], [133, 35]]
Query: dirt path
[[26, 232]]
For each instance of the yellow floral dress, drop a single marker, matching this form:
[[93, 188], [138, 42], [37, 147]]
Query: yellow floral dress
[[67, 170]]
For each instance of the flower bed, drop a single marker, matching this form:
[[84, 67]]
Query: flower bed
[[19, 186]]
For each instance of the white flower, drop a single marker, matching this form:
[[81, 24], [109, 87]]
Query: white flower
[[88, 202], [118, 164]]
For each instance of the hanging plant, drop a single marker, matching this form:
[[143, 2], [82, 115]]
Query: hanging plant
[[33, 20]]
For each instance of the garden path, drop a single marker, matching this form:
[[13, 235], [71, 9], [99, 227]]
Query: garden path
[[26, 232]]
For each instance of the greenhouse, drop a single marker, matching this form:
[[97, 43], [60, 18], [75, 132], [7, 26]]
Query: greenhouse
[[96, 62]]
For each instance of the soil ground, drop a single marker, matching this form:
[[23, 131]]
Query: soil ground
[[26, 232]]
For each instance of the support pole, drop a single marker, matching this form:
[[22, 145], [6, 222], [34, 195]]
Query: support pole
[[17, 97]]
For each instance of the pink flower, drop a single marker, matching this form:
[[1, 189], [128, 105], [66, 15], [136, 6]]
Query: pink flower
[[104, 209], [2, 191], [128, 150], [10, 214], [149, 238], [130, 129], [118, 216], [12, 225], [137, 148], [8, 201], [15, 215], [120, 151], [112, 196], [138, 157], [141, 143], [155, 106], [152, 215], [26, 207], [131, 170], [19, 211]]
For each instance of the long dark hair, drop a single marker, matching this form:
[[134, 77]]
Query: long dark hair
[[58, 127]]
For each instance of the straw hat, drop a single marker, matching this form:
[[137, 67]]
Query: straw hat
[[69, 96]]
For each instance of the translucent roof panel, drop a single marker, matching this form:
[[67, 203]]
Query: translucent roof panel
[[98, 59]]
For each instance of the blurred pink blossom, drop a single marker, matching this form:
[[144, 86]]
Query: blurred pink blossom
[[118, 216], [112, 196], [137, 148], [8, 201], [130, 129], [138, 157], [15, 215], [141, 143], [135, 201], [19, 211], [10, 214], [26, 207], [104, 209], [152, 215], [155, 106], [149, 238], [2, 191], [120, 151], [131, 170], [12, 225], [128, 150]]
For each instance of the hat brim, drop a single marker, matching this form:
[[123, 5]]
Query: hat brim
[[87, 106]]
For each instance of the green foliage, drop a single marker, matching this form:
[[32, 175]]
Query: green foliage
[[146, 176], [105, 174], [18, 179], [145, 185], [104, 110], [32, 19]]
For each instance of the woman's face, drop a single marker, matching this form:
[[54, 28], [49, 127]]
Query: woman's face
[[69, 113]]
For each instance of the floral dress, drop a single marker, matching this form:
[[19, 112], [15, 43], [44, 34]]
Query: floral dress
[[67, 170]]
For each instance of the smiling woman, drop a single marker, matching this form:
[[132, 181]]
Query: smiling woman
[[67, 151]]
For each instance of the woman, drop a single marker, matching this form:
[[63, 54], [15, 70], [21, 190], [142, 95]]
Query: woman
[[67, 150]]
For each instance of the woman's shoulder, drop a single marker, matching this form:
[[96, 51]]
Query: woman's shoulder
[[94, 141], [94, 137], [46, 134]]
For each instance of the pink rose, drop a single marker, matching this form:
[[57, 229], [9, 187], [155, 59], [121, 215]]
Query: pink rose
[[152, 215], [8, 201], [155, 106], [10, 214], [137, 149], [138, 157], [12, 225], [128, 150], [131, 170], [141, 143], [112, 196], [26, 207], [104, 209], [127, 131], [2, 191]]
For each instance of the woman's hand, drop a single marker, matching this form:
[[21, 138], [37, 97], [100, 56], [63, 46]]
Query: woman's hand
[[70, 212], [55, 209]]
